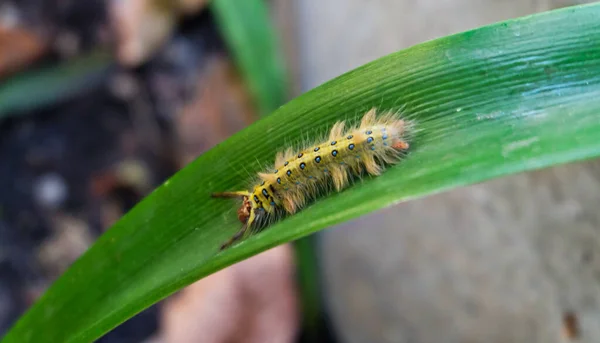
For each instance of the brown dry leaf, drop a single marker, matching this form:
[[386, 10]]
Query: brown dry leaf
[[142, 26], [252, 301], [18, 49], [570, 326]]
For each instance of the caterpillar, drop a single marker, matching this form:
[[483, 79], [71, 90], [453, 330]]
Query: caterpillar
[[299, 176]]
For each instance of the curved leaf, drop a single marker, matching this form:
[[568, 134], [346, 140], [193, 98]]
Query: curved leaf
[[505, 98]]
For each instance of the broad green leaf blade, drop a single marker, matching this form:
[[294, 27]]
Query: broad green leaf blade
[[246, 27], [505, 98]]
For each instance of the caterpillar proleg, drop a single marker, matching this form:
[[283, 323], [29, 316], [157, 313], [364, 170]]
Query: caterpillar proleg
[[300, 175]]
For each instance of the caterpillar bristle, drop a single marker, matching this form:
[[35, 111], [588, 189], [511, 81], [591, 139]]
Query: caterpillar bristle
[[299, 176], [230, 194]]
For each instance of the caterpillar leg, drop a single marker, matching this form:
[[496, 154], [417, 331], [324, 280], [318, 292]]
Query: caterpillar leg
[[238, 235]]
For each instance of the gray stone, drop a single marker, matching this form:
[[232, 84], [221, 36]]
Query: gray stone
[[496, 262]]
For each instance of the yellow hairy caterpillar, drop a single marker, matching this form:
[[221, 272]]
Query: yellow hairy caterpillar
[[299, 176]]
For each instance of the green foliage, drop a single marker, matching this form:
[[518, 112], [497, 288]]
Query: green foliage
[[48, 85], [247, 30]]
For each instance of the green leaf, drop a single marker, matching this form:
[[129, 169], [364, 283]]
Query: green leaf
[[506, 98], [41, 87], [247, 29]]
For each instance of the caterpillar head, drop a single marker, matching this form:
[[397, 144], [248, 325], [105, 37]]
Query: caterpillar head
[[244, 213], [244, 210]]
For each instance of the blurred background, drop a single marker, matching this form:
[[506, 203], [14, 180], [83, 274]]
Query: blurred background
[[101, 101]]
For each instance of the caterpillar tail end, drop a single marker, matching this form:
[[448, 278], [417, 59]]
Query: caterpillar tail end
[[401, 145]]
